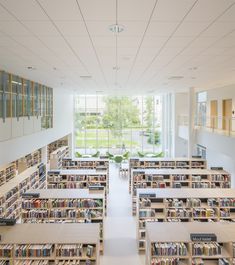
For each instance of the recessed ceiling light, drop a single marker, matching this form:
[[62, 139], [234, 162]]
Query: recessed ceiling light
[[116, 68], [193, 68], [116, 28], [85, 76], [176, 77], [31, 68]]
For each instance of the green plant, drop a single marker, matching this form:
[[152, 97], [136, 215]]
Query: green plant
[[118, 159], [140, 154], [77, 154], [154, 138], [97, 154]]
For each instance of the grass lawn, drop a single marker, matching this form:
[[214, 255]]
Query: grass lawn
[[103, 143]]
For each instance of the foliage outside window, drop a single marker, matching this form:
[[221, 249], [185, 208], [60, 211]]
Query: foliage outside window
[[118, 123]]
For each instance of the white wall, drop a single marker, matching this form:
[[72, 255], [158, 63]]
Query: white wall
[[220, 149], [62, 125]]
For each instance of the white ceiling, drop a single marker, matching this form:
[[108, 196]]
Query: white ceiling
[[67, 39]]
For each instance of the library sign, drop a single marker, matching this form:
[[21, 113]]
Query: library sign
[[202, 237]]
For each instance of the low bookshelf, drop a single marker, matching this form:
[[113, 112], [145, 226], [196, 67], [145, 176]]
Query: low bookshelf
[[29, 160], [63, 205], [177, 178], [11, 192], [78, 179], [161, 163], [44, 244], [183, 205], [98, 164], [190, 243], [57, 156]]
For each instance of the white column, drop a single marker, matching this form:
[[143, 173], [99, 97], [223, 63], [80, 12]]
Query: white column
[[191, 106]]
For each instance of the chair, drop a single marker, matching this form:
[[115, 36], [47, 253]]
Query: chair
[[97, 154], [110, 156], [140, 154], [77, 154], [118, 159], [126, 155]]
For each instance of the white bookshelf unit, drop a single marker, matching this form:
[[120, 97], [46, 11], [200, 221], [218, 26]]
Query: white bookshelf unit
[[57, 156], [78, 179], [63, 205], [11, 192], [177, 178], [183, 205], [44, 244], [161, 163], [98, 164], [190, 243]]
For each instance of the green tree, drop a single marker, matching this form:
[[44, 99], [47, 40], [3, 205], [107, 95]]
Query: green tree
[[120, 113], [149, 103]]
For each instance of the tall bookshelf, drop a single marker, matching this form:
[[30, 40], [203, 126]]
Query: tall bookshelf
[[67, 206], [161, 163], [98, 164], [44, 244], [57, 156], [177, 178], [190, 243], [10, 193], [183, 205], [56, 145], [7, 172]]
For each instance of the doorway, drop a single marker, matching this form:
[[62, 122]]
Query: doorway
[[227, 114], [214, 114]]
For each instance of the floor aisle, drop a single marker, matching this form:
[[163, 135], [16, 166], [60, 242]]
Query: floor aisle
[[120, 247]]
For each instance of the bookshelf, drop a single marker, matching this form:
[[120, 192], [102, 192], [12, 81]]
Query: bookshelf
[[177, 178], [50, 244], [183, 205], [56, 145], [7, 172], [57, 156], [29, 160], [161, 163], [63, 205], [171, 243], [11, 192]]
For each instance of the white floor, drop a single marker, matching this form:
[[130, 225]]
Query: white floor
[[120, 245]]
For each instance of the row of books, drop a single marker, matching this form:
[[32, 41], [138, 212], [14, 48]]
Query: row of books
[[165, 261], [75, 203], [6, 251], [74, 250], [75, 262], [92, 164], [11, 193], [179, 212], [203, 212], [207, 249], [68, 185], [220, 177], [53, 178], [180, 177], [59, 213], [32, 262], [169, 249], [45, 250]]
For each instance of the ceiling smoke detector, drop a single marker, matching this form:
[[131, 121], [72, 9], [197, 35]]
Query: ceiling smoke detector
[[175, 77], [116, 28]]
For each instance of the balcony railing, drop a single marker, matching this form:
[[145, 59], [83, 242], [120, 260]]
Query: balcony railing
[[215, 124]]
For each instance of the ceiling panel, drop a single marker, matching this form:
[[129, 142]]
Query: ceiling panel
[[140, 10], [208, 10], [191, 28], [168, 10], [98, 10], [24, 9], [161, 28], [13, 28], [41, 28], [61, 9], [72, 28]]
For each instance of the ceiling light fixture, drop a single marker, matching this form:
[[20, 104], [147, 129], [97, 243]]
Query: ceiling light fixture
[[116, 68], [116, 28], [31, 68]]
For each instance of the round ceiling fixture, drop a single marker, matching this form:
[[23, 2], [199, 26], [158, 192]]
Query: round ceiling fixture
[[116, 28], [31, 68]]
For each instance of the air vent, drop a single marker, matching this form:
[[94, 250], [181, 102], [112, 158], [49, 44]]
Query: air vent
[[175, 77], [85, 76]]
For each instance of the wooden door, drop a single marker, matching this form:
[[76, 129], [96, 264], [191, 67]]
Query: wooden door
[[214, 114], [227, 114]]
